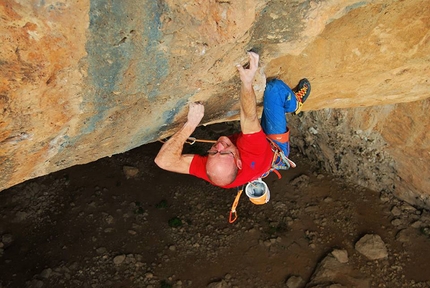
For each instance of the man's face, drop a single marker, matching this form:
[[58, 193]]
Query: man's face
[[223, 161], [223, 149]]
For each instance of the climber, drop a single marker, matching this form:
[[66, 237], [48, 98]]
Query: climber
[[240, 158]]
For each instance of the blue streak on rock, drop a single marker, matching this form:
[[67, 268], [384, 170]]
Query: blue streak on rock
[[155, 67], [169, 115], [355, 6], [105, 60], [112, 50]]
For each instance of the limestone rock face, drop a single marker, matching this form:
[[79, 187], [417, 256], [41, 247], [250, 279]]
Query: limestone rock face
[[81, 80], [384, 148]]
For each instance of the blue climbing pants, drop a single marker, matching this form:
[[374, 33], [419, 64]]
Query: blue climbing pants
[[278, 100]]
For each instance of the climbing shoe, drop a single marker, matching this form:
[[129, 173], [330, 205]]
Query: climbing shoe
[[302, 92]]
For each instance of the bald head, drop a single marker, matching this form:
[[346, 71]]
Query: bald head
[[221, 171]]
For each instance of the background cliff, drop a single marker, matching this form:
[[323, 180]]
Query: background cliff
[[81, 80]]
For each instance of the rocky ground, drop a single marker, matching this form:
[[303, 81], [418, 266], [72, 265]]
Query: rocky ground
[[123, 222]]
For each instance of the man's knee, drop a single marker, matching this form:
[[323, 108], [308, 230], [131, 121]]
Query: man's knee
[[277, 88]]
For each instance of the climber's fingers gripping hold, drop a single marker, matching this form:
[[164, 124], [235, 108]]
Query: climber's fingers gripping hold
[[195, 113], [247, 74]]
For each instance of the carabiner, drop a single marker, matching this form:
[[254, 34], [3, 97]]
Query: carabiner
[[232, 214], [191, 140]]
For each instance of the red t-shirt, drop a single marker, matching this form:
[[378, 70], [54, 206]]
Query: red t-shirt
[[256, 155]]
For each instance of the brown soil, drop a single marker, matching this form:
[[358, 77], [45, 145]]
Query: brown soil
[[92, 226]]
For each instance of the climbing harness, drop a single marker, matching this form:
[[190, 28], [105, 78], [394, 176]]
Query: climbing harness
[[280, 161]]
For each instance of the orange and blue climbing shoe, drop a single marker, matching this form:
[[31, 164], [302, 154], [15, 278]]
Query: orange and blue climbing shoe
[[302, 92]]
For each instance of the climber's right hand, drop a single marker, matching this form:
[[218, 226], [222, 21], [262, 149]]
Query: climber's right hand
[[195, 113]]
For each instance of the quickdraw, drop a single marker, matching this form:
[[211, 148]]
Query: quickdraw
[[233, 212], [191, 140], [279, 158]]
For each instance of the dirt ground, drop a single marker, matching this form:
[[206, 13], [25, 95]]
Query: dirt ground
[[123, 222]]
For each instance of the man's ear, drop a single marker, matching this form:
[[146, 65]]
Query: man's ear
[[239, 164]]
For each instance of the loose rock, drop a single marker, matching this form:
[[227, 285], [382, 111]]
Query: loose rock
[[220, 284], [130, 172], [7, 239], [372, 247], [118, 259], [295, 282], [340, 255]]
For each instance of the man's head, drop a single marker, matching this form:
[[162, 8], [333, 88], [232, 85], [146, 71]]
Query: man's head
[[223, 162]]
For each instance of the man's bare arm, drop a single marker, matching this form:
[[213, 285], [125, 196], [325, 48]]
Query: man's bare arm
[[170, 156], [249, 122]]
